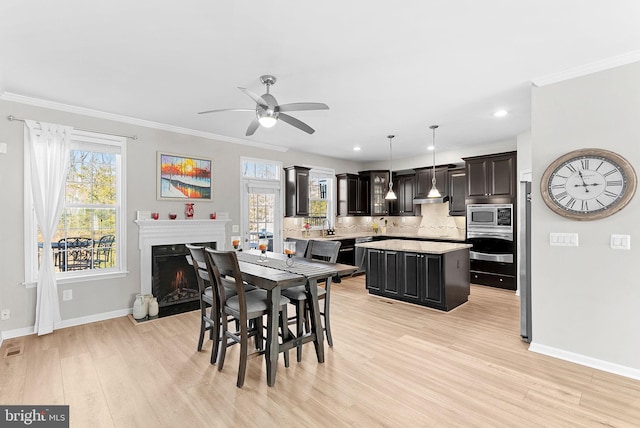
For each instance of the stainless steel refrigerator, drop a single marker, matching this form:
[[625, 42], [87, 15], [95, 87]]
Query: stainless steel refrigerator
[[524, 238]]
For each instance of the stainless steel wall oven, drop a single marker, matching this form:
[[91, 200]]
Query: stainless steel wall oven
[[490, 231]]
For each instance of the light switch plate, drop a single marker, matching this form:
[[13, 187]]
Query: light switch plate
[[235, 228], [563, 239], [621, 242], [3, 147]]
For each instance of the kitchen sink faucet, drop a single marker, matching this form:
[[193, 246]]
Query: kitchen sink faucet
[[325, 220]]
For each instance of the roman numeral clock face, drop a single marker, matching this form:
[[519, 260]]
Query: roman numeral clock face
[[588, 184]]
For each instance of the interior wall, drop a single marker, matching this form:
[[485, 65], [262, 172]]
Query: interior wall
[[585, 299], [95, 297]]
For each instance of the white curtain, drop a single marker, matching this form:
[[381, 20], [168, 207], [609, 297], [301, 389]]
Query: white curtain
[[49, 147]]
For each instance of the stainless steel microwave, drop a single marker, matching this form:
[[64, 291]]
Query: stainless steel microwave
[[490, 218]]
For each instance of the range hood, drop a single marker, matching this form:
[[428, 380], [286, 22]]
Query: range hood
[[424, 200]]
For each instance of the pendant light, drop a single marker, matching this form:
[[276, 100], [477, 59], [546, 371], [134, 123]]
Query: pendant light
[[390, 194], [434, 193]]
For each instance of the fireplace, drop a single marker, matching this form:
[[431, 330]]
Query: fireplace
[[154, 233], [174, 280]]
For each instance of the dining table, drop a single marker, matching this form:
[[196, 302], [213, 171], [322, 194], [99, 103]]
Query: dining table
[[274, 272]]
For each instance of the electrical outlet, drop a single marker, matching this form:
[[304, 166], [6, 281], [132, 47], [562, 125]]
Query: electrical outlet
[[67, 295], [6, 314]]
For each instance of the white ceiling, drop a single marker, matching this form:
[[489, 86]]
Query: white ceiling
[[382, 67]]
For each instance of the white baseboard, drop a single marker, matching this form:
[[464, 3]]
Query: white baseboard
[[25, 331], [583, 360]]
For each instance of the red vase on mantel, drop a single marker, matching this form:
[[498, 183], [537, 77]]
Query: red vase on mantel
[[188, 211]]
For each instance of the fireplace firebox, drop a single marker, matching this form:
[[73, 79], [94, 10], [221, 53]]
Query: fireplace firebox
[[174, 280]]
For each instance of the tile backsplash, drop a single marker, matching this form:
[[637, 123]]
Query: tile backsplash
[[435, 222]]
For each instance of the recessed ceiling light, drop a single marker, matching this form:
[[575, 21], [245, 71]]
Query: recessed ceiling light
[[500, 113], [356, 149], [431, 148]]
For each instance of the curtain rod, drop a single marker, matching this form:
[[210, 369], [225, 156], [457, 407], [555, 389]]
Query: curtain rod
[[133, 137]]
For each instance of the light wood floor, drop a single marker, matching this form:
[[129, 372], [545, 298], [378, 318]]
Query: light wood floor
[[392, 364]]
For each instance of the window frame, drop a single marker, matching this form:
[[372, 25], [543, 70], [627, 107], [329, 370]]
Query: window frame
[[331, 191], [80, 140], [275, 185]]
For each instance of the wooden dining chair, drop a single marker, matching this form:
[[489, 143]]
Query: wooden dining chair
[[212, 320], [319, 250], [243, 307], [209, 321]]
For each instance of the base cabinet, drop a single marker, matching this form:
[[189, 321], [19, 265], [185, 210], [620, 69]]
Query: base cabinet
[[440, 281]]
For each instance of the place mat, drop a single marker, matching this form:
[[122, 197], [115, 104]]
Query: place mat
[[299, 267]]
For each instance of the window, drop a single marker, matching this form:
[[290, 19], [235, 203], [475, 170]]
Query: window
[[320, 197], [261, 169], [89, 238], [261, 204]]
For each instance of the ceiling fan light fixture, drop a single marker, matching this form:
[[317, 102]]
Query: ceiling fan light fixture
[[267, 118]]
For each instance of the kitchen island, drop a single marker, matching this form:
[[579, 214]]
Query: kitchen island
[[433, 274]]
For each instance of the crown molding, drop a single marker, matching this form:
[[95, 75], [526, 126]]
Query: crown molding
[[583, 70], [8, 96]]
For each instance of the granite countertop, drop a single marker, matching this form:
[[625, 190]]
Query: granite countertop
[[427, 247], [389, 235]]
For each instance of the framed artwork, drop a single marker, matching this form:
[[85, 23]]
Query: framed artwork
[[182, 178]]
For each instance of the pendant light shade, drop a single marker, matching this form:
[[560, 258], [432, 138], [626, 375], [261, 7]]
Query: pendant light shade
[[434, 192], [390, 194]]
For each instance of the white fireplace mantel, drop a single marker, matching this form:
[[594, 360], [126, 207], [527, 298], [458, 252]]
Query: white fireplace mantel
[[167, 232]]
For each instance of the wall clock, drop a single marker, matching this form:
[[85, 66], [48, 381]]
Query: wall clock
[[588, 184]]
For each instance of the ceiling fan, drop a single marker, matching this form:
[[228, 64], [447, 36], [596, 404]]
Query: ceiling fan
[[268, 111]]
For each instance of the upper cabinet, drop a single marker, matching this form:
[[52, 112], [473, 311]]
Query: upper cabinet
[[457, 191], [296, 191], [404, 187], [353, 194], [491, 177], [378, 188], [424, 177]]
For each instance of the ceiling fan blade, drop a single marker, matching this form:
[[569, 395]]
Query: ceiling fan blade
[[255, 97], [297, 123], [302, 106], [227, 109], [252, 127]]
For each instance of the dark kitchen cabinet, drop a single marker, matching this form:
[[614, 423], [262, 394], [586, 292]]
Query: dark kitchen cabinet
[[353, 194], [424, 177], [457, 191], [404, 186], [491, 177], [296, 191], [387, 268], [378, 188], [347, 252], [375, 270], [414, 272], [440, 281], [422, 281]]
